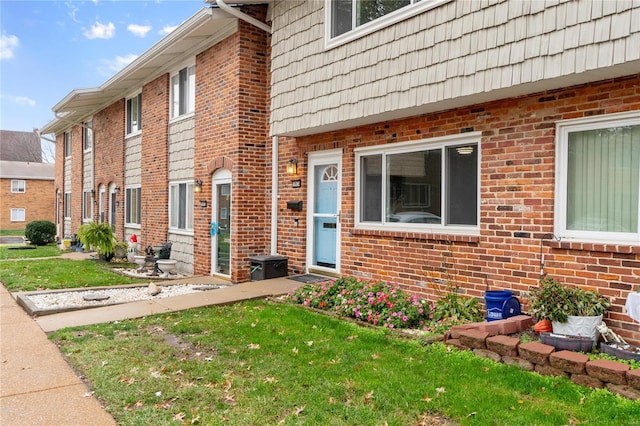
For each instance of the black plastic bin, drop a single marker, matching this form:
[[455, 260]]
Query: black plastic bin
[[265, 267]]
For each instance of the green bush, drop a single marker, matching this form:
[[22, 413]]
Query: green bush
[[40, 232]]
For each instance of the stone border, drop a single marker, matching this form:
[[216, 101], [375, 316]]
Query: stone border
[[490, 340]]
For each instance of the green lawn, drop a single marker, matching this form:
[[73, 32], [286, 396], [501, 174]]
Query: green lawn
[[24, 251], [267, 363], [50, 274]]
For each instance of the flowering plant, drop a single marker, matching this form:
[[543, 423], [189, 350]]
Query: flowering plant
[[374, 302]]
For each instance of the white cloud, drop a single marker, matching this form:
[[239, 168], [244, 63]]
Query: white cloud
[[73, 10], [8, 44], [167, 29], [111, 66], [138, 30], [99, 30], [20, 100]]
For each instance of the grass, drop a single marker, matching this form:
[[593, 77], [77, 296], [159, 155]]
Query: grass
[[51, 274], [17, 251], [11, 232], [266, 363]]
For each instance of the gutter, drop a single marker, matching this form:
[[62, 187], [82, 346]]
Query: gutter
[[243, 16]]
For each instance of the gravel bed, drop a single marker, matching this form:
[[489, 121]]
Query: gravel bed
[[74, 299]]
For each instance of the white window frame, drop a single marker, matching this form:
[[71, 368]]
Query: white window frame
[[127, 205], [177, 89], [18, 186], [130, 128], [472, 138], [67, 144], [18, 214], [87, 206], [563, 128], [67, 205], [406, 12], [174, 215], [87, 136]]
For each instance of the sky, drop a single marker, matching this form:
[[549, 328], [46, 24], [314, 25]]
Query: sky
[[49, 48]]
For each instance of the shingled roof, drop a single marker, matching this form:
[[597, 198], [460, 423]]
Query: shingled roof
[[20, 146]]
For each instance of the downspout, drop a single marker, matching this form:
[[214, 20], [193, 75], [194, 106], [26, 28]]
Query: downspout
[[275, 193], [235, 12]]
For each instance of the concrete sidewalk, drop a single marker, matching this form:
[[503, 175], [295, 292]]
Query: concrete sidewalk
[[37, 386]]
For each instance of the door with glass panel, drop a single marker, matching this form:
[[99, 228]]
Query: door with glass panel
[[323, 243], [221, 224]]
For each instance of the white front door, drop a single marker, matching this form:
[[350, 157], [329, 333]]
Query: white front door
[[220, 227], [323, 200]]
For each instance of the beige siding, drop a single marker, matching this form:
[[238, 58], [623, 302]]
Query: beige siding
[[87, 172], [182, 251], [133, 161], [460, 53], [181, 149]]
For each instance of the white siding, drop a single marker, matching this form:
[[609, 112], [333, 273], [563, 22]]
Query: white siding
[[460, 53]]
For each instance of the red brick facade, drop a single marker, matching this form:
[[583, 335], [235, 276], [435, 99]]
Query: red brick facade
[[517, 195], [37, 200]]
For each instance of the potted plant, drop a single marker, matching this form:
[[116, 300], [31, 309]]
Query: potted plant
[[572, 311], [99, 237]]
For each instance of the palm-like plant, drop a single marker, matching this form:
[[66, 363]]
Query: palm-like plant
[[99, 237]]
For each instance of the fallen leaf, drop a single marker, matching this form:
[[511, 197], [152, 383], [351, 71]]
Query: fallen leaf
[[309, 343], [295, 351], [88, 394], [179, 417], [368, 397], [298, 410], [332, 400], [352, 337], [195, 420], [473, 413], [270, 380], [426, 398], [253, 346], [375, 356], [440, 390], [229, 399]]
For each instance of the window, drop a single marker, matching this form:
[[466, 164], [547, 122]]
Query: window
[[134, 114], [183, 90], [67, 144], [350, 19], [133, 206], [87, 136], [67, 205], [598, 178], [18, 186], [87, 205], [425, 185], [17, 215], [181, 206]]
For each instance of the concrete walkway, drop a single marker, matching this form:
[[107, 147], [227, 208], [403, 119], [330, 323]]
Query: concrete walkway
[[38, 387]]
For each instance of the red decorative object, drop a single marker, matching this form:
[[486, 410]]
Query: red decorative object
[[543, 326]]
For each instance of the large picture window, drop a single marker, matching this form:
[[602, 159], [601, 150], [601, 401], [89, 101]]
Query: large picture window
[[430, 184], [18, 186], [134, 114], [598, 178], [181, 206], [349, 19], [183, 91], [133, 206]]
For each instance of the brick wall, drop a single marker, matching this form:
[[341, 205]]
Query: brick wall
[[155, 162], [517, 194], [108, 147], [232, 133], [59, 185], [37, 200]]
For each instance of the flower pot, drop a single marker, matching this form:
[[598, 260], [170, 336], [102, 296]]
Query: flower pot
[[167, 266], [621, 350], [579, 326], [568, 343]]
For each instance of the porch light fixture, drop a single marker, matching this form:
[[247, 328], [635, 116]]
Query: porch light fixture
[[116, 189], [464, 150], [197, 185], [292, 167]]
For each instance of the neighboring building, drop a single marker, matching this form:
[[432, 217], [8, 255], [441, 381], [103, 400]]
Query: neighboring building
[[26, 183], [175, 141], [479, 141], [483, 142]]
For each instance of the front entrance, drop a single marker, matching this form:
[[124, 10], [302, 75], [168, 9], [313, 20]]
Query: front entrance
[[323, 244], [221, 224]]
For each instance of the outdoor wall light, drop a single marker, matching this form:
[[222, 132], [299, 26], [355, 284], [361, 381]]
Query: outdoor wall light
[[197, 185], [292, 167], [93, 192], [116, 189], [203, 204]]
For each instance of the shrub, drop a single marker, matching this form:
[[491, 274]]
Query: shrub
[[98, 236], [377, 303], [40, 232]]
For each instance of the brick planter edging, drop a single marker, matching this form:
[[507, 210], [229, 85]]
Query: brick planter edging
[[490, 340]]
